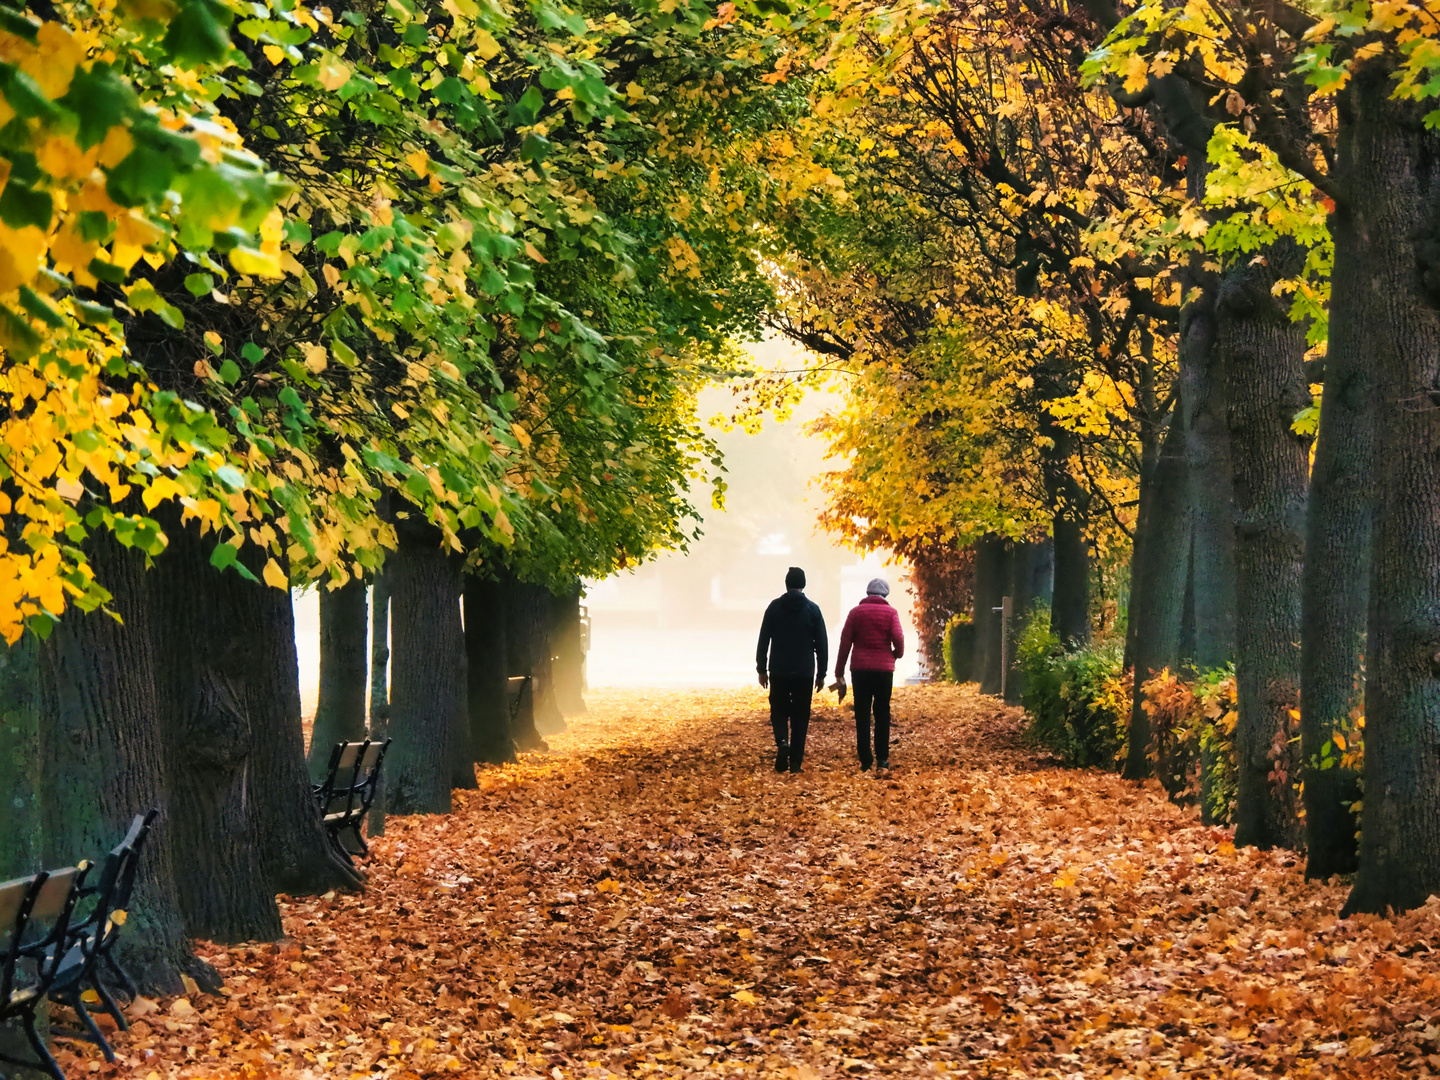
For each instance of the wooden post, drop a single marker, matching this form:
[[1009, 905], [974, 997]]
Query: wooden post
[[1006, 615]]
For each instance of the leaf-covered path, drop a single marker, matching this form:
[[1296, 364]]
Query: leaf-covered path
[[651, 898]]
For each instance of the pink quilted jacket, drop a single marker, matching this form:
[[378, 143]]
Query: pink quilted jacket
[[873, 629]]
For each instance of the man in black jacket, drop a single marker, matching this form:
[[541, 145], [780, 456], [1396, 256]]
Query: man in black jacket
[[791, 658]]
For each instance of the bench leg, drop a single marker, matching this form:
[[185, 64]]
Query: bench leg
[[121, 974], [42, 1052], [92, 1033], [110, 1005]]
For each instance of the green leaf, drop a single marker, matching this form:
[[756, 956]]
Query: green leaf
[[525, 110], [197, 34], [21, 206]]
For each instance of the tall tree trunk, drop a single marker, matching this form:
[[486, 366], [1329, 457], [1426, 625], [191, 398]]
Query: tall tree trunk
[[340, 711], [1211, 635], [296, 852], [1069, 517], [549, 719], [991, 575], [487, 669], [379, 688], [1264, 364], [1340, 529], [202, 628], [102, 755], [20, 708], [428, 672], [1032, 574], [569, 652], [1393, 183], [522, 616], [1157, 584]]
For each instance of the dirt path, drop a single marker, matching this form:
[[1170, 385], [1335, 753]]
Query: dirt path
[[652, 898]]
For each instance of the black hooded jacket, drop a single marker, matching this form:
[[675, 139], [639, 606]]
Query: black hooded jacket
[[793, 637]]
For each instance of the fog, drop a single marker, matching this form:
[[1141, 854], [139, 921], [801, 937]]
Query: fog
[[691, 619]]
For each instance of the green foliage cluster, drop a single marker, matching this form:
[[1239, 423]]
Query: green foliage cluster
[[958, 648], [1078, 700]]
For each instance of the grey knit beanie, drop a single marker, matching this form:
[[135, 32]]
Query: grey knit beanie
[[877, 587]]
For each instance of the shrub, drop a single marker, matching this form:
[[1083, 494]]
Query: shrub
[[959, 649], [1192, 747], [1078, 700]]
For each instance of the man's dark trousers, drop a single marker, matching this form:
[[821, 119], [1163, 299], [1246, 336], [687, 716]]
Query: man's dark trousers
[[790, 713], [872, 689]]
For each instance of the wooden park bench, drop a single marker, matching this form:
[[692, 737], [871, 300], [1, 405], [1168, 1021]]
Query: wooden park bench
[[94, 929], [35, 933], [349, 789], [515, 690]]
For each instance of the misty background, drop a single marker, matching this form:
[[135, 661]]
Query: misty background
[[691, 619]]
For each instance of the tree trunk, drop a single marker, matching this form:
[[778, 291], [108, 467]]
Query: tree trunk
[[569, 652], [522, 617], [379, 688], [549, 719], [20, 708], [102, 754], [204, 623], [1070, 606], [296, 852], [1339, 532], [1394, 193], [991, 575], [1157, 584], [340, 711], [1211, 631], [487, 667], [428, 673], [1264, 364], [1032, 572]]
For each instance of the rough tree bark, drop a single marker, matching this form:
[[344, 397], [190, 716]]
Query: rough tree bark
[[1340, 528], [1157, 583], [1393, 179], [1032, 573], [1069, 516], [102, 755], [569, 651], [427, 672], [340, 710], [1264, 363], [1210, 636], [487, 668], [379, 688], [20, 707], [522, 616], [991, 574], [296, 853]]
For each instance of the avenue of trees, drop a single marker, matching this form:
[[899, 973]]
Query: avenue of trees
[[411, 302], [1146, 293]]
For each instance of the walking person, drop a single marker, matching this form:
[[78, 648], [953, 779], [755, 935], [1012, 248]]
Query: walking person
[[873, 629], [791, 660]]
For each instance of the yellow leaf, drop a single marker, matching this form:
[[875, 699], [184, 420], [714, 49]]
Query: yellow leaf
[[419, 160], [333, 73], [745, 997], [608, 885], [316, 358], [485, 45], [247, 260], [534, 253], [274, 576], [274, 53]]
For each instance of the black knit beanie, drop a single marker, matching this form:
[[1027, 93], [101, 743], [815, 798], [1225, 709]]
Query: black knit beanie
[[795, 578]]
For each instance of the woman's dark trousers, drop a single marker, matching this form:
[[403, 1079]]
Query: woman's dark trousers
[[872, 691]]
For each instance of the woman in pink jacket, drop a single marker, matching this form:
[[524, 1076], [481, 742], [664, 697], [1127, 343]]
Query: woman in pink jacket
[[873, 629]]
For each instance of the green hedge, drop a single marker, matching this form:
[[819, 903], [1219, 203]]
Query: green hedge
[[1078, 701], [958, 646]]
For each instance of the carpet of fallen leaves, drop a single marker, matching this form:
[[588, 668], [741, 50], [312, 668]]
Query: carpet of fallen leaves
[[651, 898]]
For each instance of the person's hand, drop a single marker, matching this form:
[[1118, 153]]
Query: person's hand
[[764, 680], [820, 681]]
